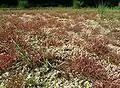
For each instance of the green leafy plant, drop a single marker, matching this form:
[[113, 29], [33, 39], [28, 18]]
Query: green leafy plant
[[77, 3]]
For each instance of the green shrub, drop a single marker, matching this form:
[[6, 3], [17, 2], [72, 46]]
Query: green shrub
[[4, 6], [102, 9], [77, 3], [23, 3], [116, 8]]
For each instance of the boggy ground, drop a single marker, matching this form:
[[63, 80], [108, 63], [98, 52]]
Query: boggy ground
[[59, 49]]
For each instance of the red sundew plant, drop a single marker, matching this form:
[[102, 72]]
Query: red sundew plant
[[75, 29], [15, 81], [58, 24], [113, 58], [89, 16], [12, 50], [7, 35], [107, 83], [7, 47], [61, 33], [50, 42], [6, 62], [88, 67], [36, 57], [99, 47]]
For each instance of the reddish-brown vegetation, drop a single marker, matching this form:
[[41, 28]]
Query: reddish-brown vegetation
[[6, 62], [88, 67], [34, 37]]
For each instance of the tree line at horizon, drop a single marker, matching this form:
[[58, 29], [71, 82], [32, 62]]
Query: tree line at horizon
[[57, 3]]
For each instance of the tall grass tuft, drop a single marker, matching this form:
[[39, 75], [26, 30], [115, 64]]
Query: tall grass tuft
[[101, 9]]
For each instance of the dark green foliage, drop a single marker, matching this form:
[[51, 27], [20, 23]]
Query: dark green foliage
[[4, 6], [23, 3], [8, 3], [56, 3], [77, 3]]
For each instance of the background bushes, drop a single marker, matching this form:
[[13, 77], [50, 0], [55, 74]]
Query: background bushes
[[56, 3], [23, 3]]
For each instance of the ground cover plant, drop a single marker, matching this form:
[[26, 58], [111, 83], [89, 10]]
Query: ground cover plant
[[59, 49]]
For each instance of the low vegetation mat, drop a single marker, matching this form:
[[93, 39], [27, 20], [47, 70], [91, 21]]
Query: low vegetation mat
[[59, 49]]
